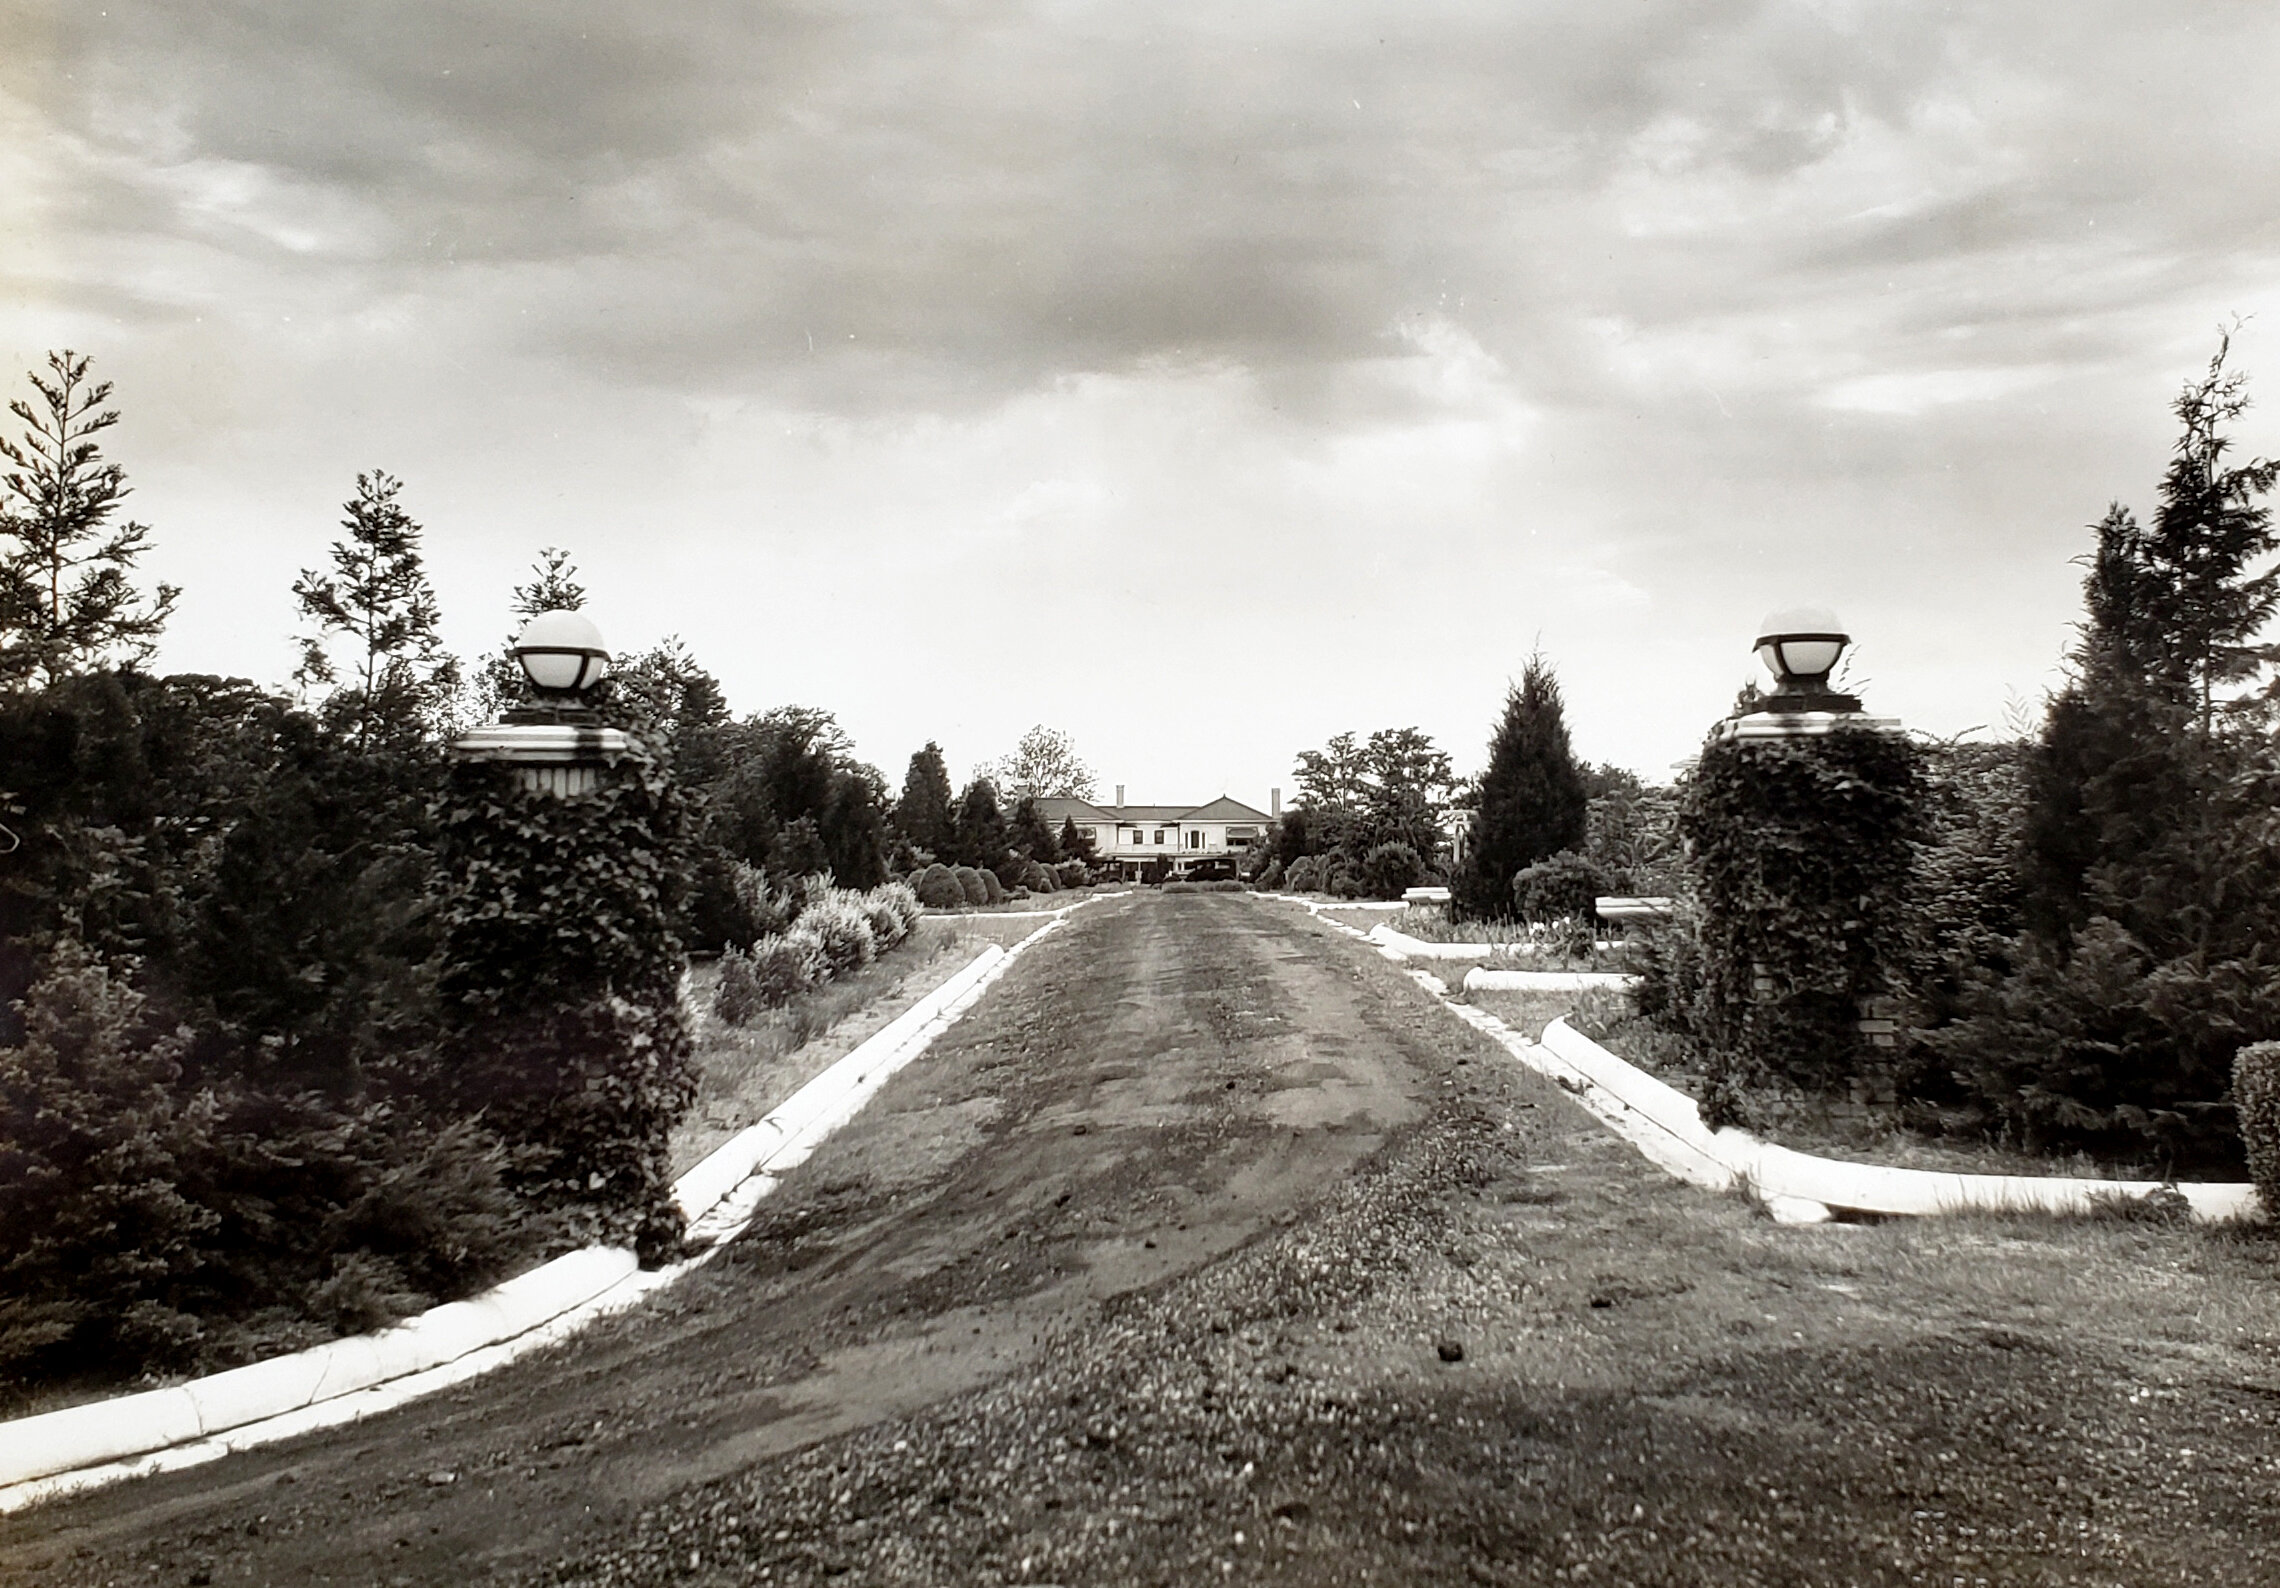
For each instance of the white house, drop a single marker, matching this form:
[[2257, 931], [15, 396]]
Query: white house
[[1183, 837]]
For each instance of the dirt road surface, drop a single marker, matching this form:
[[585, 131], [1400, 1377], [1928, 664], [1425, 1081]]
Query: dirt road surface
[[1208, 1249]]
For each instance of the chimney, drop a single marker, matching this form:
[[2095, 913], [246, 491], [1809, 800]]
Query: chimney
[[1120, 796], [1274, 803]]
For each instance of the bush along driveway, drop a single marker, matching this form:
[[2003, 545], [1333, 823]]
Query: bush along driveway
[[1210, 1248]]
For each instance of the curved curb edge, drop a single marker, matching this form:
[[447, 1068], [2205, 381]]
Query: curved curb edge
[[1665, 1125], [55, 1453]]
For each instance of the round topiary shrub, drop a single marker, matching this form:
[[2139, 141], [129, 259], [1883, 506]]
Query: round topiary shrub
[[977, 892], [993, 891], [1071, 873], [939, 888], [2256, 1099], [1564, 887]]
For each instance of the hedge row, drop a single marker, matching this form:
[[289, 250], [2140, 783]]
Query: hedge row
[[836, 933]]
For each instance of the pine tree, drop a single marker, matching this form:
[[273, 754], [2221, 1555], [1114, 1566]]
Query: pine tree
[[377, 598], [1031, 834], [925, 812], [1075, 843], [1532, 799], [2203, 602], [2147, 871], [67, 603], [981, 840]]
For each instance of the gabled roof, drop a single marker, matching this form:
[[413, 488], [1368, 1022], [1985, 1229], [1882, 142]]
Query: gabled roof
[[1221, 809], [1224, 809], [1057, 810]]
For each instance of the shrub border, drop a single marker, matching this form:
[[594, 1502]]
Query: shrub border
[[1798, 1188], [77, 1448]]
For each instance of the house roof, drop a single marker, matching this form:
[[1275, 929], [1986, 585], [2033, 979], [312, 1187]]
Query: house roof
[[1221, 809], [1057, 810], [1224, 809]]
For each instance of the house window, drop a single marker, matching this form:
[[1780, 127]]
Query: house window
[[1240, 835], [1159, 835], [1195, 840], [1092, 835]]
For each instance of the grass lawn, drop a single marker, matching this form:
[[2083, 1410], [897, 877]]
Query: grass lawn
[[1798, 1121]]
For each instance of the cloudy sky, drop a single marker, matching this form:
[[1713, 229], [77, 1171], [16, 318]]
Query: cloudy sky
[[1201, 379]]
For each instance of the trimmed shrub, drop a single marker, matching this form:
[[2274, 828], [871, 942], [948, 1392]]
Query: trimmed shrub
[[1305, 874], [1072, 873], [993, 890], [970, 882], [737, 997], [2256, 1099], [938, 888], [1035, 877], [1565, 887], [1271, 877], [840, 927], [784, 966]]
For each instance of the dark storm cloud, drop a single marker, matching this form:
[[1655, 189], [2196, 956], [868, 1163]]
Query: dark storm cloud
[[990, 188]]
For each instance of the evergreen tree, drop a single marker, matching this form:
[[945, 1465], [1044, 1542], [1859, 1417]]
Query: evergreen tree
[[926, 813], [2147, 870], [1075, 842], [981, 831], [664, 697], [1031, 834], [1532, 798], [67, 603], [377, 599], [2202, 599]]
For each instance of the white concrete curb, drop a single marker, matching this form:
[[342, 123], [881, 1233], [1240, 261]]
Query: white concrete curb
[[1666, 1126], [84, 1447], [1482, 979]]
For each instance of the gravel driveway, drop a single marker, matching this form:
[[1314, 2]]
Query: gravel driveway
[[1209, 1249]]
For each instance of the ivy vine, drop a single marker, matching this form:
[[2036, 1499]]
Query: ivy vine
[[560, 981], [1802, 851]]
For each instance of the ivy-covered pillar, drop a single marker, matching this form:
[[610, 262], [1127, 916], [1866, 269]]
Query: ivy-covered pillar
[[563, 847], [1802, 816]]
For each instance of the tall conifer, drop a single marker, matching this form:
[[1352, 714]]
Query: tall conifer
[[925, 812], [67, 603], [1532, 797]]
